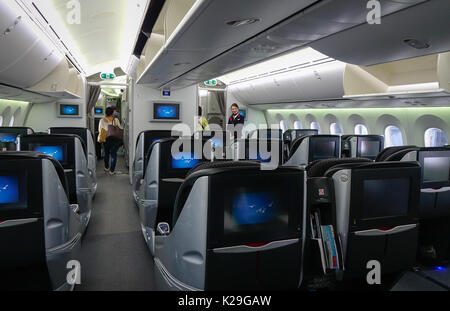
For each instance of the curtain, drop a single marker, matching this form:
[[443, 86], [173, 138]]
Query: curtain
[[220, 96], [94, 93]]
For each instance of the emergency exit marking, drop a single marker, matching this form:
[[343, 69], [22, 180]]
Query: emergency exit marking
[[106, 76], [212, 82]]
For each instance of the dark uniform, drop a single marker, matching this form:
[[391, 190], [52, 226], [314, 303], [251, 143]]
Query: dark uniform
[[236, 121]]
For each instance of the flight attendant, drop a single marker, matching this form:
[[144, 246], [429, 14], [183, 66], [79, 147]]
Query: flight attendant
[[236, 120]]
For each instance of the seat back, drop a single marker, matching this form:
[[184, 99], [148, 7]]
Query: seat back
[[376, 214], [362, 146], [434, 210], [8, 136], [68, 150], [87, 140], [164, 175], [34, 217], [307, 149], [245, 222], [143, 143]]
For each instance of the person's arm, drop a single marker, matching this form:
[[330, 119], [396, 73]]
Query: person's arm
[[118, 123]]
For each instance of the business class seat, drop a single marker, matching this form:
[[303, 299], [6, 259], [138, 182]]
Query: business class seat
[[144, 141], [68, 150], [374, 209], [236, 227], [306, 149], [434, 210], [163, 177], [366, 146], [89, 149], [8, 136], [290, 135], [40, 232]]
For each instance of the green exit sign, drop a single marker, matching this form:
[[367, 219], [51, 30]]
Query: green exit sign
[[107, 76], [212, 82]]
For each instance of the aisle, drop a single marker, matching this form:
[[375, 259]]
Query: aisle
[[114, 254]]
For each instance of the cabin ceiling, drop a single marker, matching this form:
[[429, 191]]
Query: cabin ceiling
[[105, 36]]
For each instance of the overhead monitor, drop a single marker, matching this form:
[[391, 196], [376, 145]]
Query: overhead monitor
[[69, 110], [99, 111], [168, 112]]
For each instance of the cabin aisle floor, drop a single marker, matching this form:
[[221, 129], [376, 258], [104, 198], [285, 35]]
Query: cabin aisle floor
[[114, 255]]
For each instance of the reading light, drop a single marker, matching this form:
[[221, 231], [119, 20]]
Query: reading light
[[242, 22], [416, 44]]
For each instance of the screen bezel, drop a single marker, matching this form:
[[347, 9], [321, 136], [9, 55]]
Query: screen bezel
[[367, 138], [442, 153], [292, 184], [28, 170], [25, 143], [357, 188], [177, 106], [62, 115], [316, 138]]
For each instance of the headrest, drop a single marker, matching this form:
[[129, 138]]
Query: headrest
[[371, 165], [318, 168], [24, 155], [388, 152]]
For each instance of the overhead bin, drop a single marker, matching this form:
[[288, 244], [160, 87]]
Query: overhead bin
[[64, 82], [208, 42], [417, 31], [26, 57], [427, 76]]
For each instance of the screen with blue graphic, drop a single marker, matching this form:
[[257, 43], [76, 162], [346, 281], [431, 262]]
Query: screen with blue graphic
[[69, 110], [98, 110], [254, 208], [243, 113], [56, 152], [166, 111], [9, 189], [184, 160], [7, 138]]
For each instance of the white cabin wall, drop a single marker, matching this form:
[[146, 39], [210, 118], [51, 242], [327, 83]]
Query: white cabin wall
[[142, 109], [255, 118], [18, 109]]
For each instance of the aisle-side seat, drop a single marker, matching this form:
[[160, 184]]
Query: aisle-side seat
[[144, 141], [69, 151], [40, 232], [376, 206], [290, 135], [306, 149], [434, 210], [162, 179], [236, 227], [89, 145], [364, 146]]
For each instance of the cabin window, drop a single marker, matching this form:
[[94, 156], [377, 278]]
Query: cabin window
[[315, 126], [297, 125], [335, 129], [283, 126], [11, 121], [361, 129], [1, 120], [435, 137], [393, 136]]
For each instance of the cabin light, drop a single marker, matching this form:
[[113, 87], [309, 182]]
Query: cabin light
[[242, 22], [417, 44]]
